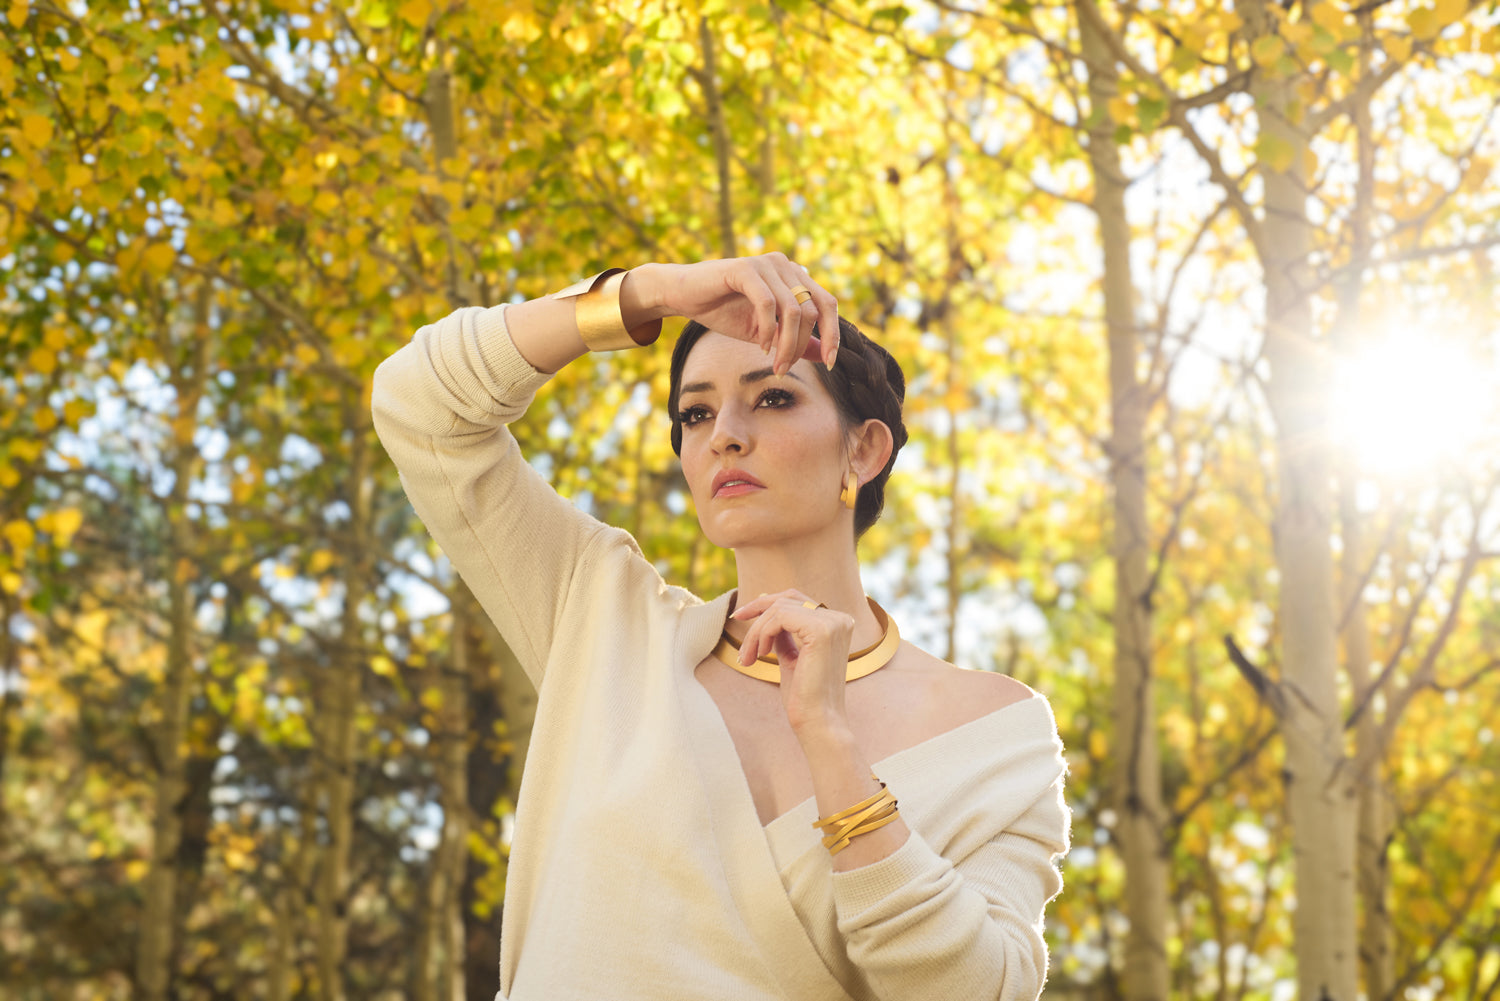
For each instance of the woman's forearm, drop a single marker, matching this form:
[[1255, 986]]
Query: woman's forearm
[[545, 333]]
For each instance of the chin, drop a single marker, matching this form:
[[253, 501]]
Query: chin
[[739, 533]]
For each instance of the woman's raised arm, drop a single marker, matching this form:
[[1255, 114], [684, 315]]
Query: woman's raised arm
[[442, 402]]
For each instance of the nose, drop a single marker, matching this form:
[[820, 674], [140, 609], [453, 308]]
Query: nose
[[731, 432]]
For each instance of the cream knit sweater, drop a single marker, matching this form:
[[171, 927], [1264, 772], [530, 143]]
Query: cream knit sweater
[[639, 870]]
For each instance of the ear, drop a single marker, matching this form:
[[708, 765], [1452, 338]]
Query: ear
[[872, 449]]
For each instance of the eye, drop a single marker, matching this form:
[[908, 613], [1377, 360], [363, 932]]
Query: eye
[[692, 416], [776, 399]]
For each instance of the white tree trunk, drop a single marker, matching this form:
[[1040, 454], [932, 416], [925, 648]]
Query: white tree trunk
[[1136, 782], [1321, 799], [159, 924]]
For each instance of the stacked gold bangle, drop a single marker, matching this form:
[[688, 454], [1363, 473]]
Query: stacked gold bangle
[[861, 818], [597, 312]]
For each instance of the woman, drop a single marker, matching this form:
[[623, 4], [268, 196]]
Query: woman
[[701, 822]]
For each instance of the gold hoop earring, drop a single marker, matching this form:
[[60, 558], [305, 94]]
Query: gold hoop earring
[[849, 490]]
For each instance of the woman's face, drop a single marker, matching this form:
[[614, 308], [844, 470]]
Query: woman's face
[[763, 454]]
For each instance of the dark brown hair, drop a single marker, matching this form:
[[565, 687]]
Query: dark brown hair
[[865, 383]]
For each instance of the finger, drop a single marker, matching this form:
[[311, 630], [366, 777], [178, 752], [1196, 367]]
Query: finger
[[763, 306], [828, 325], [751, 647], [821, 314], [770, 630], [805, 321], [754, 606], [790, 333], [808, 324], [814, 351]]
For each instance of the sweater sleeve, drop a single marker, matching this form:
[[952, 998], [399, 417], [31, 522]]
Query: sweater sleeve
[[440, 406], [925, 929]]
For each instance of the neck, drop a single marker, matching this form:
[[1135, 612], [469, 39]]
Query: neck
[[825, 570]]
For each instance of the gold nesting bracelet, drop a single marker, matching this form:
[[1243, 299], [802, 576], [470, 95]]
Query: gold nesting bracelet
[[861, 818]]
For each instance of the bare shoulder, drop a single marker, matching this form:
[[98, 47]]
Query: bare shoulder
[[960, 695]]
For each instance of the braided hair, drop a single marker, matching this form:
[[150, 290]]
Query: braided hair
[[865, 383]]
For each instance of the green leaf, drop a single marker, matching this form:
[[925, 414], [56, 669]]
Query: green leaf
[[1274, 152], [1149, 112]]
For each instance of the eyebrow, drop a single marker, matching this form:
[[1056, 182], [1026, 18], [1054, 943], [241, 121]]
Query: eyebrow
[[758, 375]]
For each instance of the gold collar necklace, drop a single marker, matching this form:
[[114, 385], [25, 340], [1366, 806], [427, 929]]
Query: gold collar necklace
[[866, 661]]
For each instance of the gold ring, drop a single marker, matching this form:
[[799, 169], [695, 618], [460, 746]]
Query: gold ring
[[802, 293], [813, 604]]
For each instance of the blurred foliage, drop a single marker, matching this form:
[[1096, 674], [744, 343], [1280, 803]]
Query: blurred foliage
[[216, 219]]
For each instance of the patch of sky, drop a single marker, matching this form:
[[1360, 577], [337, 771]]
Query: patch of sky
[[1252, 836], [336, 512], [298, 452], [676, 502], [226, 765], [961, 55], [797, 203]]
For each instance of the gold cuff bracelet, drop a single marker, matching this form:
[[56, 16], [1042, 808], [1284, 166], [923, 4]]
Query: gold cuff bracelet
[[596, 310]]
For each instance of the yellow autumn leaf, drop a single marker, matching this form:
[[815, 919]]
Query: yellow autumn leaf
[[170, 56], [415, 11], [224, 213], [10, 582], [326, 202], [320, 561], [43, 361], [382, 665], [37, 129], [46, 419], [522, 26], [75, 411], [1398, 47], [1265, 51], [19, 534], [65, 523], [1424, 23], [1329, 17], [55, 337], [1450, 11], [77, 176], [8, 476], [159, 258], [17, 14], [392, 105]]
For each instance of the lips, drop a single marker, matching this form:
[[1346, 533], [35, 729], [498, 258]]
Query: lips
[[733, 482]]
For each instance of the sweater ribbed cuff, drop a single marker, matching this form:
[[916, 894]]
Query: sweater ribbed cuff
[[855, 891]]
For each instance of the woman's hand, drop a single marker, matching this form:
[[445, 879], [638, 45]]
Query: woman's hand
[[751, 298], [812, 645]]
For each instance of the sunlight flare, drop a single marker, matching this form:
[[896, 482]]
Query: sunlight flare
[[1410, 404]]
